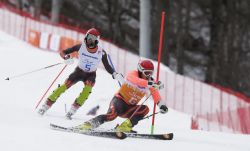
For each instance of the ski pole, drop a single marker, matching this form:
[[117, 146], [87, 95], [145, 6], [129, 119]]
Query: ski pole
[[140, 106], [50, 86], [23, 74], [113, 67], [150, 115]]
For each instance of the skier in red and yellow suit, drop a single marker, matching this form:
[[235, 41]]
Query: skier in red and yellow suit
[[134, 87]]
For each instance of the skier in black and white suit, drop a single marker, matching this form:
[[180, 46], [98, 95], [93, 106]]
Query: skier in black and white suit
[[90, 55]]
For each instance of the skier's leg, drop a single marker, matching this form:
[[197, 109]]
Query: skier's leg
[[89, 82], [57, 92], [142, 112], [128, 124], [98, 120], [84, 95], [45, 107], [79, 101], [52, 98], [72, 79]]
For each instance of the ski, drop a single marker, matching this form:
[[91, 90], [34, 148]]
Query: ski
[[108, 134], [167, 136], [114, 134]]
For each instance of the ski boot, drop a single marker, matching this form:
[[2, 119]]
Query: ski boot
[[72, 111], [45, 107], [86, 126], [126, 127]]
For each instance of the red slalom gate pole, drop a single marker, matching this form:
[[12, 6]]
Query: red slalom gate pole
[[50, 86], [158, 66]]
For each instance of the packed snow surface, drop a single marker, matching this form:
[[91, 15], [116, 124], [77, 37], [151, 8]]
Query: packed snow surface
[[22, 128]]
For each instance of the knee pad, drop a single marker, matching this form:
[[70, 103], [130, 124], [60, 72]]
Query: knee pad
[[57, 92], [84, 95]]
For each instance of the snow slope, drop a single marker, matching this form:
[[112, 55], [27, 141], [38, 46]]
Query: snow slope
[[22, 129]]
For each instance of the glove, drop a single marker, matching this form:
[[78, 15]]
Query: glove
[[118, 76], [163, 108], [69, 61], [64, 56], [157, 85]]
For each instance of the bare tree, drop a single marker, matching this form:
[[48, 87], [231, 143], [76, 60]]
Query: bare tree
[[179, 35], [215, 42], [20, 4], [145, 28], [55, 12], [37, 5]]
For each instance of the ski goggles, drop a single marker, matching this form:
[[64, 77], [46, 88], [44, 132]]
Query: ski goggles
[[148, 73], [91, 37]]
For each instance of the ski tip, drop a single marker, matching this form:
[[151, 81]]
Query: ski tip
[[121, 135], [7, 78], [168, 136]]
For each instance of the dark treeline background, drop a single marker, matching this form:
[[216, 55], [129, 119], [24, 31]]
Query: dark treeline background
[[204, 39]]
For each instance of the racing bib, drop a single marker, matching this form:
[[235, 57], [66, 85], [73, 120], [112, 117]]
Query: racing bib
[[89, 61], [131, 94]]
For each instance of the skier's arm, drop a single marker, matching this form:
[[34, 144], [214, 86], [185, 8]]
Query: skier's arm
[[106, 64], [72, 49], [157, 99], [155, 94], [65, 53]]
